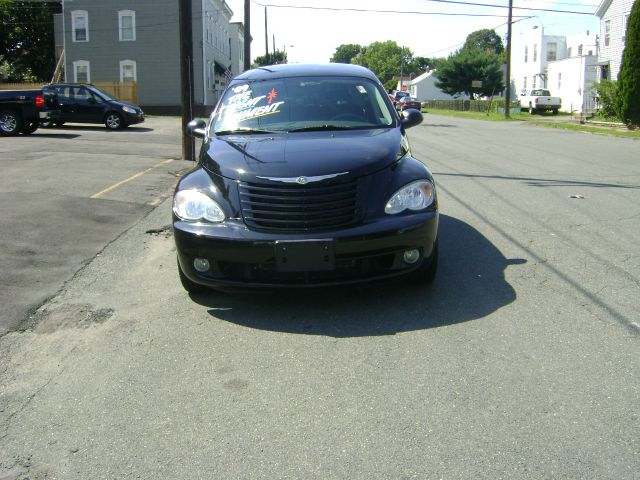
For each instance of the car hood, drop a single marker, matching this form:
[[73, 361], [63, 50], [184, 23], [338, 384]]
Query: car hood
[[247, 157]]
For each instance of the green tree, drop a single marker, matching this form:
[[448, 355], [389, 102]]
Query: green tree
[[26, 39], [456, 74], [386, 60], [419, 65], [484, 39], [346, 52], [274, 58], [628, 97]]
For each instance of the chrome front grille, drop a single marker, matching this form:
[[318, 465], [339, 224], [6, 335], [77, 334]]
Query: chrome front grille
[[317, 206]]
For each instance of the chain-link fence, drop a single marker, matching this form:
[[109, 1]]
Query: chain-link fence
[[459, 105]]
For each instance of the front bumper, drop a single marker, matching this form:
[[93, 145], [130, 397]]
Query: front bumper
[[133, 118], [243, 258]]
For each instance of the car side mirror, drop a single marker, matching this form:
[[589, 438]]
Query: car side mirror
[[196, 128], [411, 117]]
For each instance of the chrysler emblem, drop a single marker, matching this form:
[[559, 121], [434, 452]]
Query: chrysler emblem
[[303, 180]]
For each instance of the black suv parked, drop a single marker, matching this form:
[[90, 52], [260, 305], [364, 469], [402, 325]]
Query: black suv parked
[[82, 103]]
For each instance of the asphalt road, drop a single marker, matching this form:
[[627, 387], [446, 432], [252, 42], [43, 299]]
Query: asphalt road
[[68, 192], [520, 362]]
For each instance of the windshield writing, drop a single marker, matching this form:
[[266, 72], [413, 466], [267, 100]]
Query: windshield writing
[[300, 104]]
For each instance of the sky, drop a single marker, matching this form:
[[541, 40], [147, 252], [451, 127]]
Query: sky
[[311, 35]]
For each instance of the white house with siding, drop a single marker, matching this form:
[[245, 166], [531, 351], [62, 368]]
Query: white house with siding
[[572, 79], [614, 16], [531, 53], [424, 88], [567, 66]]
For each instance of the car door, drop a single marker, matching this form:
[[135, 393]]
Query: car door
[[88, 107], [66, 102]]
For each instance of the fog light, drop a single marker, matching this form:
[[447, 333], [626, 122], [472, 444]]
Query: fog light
[[411, 256], [201, 264]]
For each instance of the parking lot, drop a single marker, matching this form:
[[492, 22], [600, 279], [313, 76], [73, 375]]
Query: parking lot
[[66, 194], [520, 361]]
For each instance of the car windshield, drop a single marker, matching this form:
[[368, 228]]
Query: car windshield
[[542, 93], [103, 94], [301, 103], [409, 99]]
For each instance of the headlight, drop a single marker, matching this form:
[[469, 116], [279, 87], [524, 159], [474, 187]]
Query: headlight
[[414, 196], [128, 109], [192, 205]]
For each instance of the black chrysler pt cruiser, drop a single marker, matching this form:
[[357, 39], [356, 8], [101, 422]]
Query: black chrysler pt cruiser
[[305, 179]]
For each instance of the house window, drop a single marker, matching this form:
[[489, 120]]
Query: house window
[[128, 71], [81, 71], [80, 26], [607, 32], [526, 54], [127, 24], [559, 80], [533, 82], [569, 51], [524, 85], [552, 52], [579, 50], [535, 53]]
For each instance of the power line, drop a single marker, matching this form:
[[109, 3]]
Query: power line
[[364, 10], [458, 2], [462, 43], [455, 2]]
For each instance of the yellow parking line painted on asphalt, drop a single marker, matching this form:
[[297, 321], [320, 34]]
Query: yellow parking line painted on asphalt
[[127, 180]]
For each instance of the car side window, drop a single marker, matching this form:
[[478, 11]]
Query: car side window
[[63, 93], [96, 97], [82, 94]]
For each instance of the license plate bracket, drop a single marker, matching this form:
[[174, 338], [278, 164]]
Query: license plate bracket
[[305, 255]]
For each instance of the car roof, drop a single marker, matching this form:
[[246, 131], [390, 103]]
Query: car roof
[[69, 84], [307, 70]]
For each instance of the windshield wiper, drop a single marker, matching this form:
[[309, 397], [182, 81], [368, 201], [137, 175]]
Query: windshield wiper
[[318, 128], [246, 130]]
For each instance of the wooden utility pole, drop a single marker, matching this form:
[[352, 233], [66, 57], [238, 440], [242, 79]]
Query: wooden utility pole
[[507, 92], [247, 34], [186, 76], [266, 37]]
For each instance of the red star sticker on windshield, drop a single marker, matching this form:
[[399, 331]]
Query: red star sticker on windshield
[[272, 94]]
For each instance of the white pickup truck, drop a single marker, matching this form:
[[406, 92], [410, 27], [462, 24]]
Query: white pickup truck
[[539, 100]]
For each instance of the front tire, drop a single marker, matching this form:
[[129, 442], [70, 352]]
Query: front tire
[[10, 123], [554, 111], [113, 121], [532, 110], [188, 285]]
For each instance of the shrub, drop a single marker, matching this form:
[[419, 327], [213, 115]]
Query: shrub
[[607, 92]]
